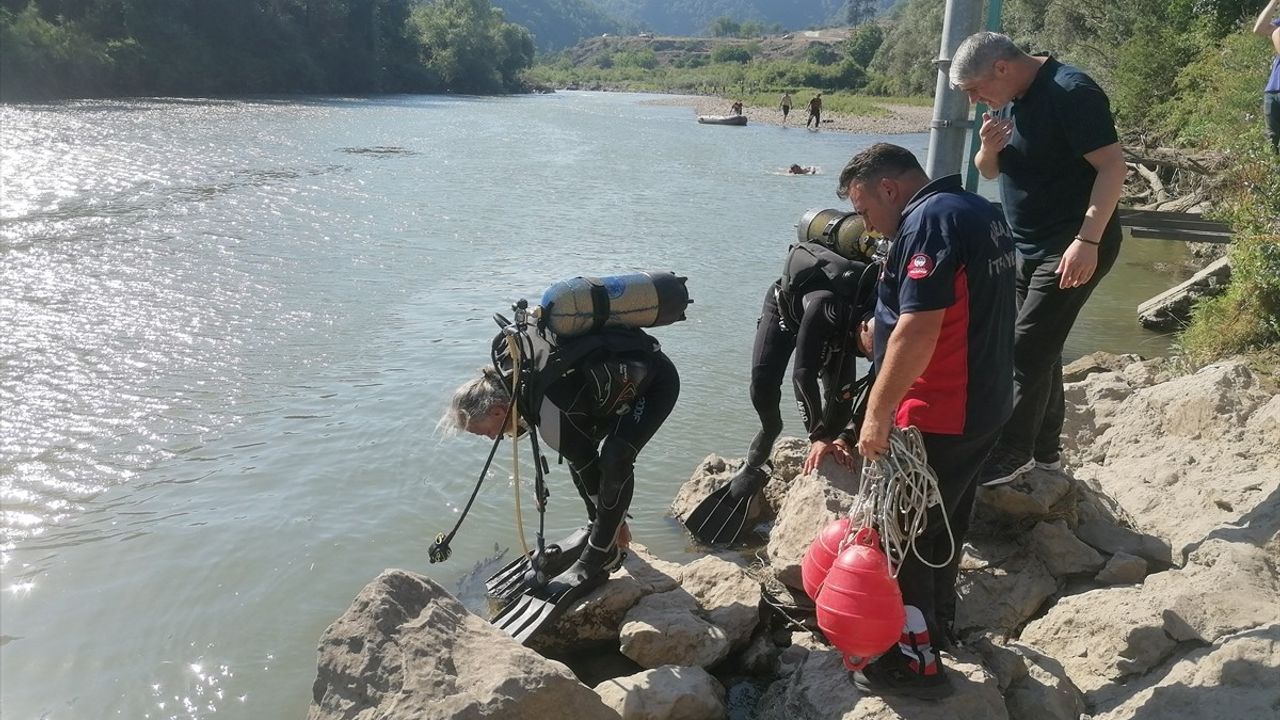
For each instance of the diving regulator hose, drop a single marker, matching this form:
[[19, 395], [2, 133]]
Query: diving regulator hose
[[513, 416]]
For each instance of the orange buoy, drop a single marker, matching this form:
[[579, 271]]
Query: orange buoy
[[821, 553], [860, 605]]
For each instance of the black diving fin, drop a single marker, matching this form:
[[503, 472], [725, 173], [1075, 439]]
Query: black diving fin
[[534, 569], [721, 518], [538, 607]]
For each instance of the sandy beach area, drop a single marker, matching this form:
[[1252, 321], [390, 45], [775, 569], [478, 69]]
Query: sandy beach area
[[903, 118]]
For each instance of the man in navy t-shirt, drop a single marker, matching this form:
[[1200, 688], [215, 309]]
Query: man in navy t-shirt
[[944, 363], [1053, 146]]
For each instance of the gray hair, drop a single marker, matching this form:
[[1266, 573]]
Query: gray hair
[[978, 54], [474, 398]]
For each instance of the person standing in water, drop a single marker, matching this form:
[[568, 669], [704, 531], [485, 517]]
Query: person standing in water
[[815, 112], [1271, 94]]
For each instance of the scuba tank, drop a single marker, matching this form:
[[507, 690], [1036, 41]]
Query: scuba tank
[[812, 266], [586, 304], [841, 231]]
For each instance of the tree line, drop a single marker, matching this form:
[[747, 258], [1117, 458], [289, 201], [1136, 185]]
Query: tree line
[[94, 48]]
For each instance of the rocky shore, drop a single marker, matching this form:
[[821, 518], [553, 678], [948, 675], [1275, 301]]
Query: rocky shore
[[902, 118], [1140, 583]]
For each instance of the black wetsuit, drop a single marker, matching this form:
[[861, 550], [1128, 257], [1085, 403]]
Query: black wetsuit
[[818, 321], [598, 417]]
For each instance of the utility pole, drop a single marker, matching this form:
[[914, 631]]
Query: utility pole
[[971, 180], [951, 123]]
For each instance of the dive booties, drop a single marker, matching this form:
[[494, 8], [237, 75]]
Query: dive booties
[[539, 607], [535, 569], [722, 517]]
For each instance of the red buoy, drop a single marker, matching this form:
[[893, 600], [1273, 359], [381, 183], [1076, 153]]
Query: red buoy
[[860, 605], [818, 558]]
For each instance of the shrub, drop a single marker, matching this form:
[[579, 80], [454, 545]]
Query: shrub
[[821, 54], [730, 53], [644, 58]]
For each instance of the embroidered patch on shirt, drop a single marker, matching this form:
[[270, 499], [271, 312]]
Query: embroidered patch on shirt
[[919, 266]]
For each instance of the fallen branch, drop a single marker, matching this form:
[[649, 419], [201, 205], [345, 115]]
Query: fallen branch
[[1200, 163]]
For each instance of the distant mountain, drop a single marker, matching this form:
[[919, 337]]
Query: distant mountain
[[557, 24], [691, 17]]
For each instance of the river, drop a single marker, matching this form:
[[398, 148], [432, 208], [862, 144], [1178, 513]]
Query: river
[[228, 327]]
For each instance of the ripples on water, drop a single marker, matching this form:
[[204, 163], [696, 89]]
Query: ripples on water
[[227, 329], [124, 282]]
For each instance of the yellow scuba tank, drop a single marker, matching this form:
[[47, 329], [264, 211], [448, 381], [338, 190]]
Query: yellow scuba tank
[[585, 304]]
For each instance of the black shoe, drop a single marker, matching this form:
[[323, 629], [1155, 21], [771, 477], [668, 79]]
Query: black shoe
[[1048, 461], [1004, 466], [891, 675]]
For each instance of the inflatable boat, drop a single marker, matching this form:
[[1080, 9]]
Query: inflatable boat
[[722, 119]]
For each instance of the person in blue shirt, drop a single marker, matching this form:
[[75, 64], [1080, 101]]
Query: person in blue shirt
[[943, 348], [1271, 93], [1052, 143]]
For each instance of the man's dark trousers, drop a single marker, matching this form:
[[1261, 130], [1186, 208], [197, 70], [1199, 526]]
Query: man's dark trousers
[[1045, 316], [956, 460]]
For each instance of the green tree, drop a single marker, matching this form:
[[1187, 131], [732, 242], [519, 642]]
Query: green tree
[[468, 47], [644, 58], [863, 43], [904, 61], [40, 59], [730, 54], [858, 12], [724, 26]]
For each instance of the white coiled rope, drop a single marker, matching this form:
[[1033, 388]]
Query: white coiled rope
[[894, 497]]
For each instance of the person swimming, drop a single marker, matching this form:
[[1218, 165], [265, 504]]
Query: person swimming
[[802, 170]]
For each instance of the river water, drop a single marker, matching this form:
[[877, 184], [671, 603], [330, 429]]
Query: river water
[[227, 329]]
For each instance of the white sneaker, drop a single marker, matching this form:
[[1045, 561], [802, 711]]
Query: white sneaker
[[1003, 469]]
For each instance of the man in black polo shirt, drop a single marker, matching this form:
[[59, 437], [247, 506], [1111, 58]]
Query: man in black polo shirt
[[944, 363], [1053, 145]]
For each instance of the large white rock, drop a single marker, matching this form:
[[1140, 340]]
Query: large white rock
[[407, 650], [668, 629], [713, 472], [597, 617], [1044, 692], [727, 596], [813, 501], [1108, 637], [1184, 458], [1001, 596], [1062, 553], [1236, 678], [820, 689], [666, 693], [1123, 569]]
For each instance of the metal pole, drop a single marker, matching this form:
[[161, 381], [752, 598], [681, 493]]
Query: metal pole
[[951, 107], [971, 179]]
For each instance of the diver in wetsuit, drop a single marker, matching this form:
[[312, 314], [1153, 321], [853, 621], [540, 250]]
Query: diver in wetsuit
[[597, 415], [813, 310]]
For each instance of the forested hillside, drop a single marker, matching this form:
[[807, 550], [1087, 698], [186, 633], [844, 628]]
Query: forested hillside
[[693, 17], [557, 24], [93, 48]]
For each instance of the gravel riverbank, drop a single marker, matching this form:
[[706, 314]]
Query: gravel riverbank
[[903, 118]]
